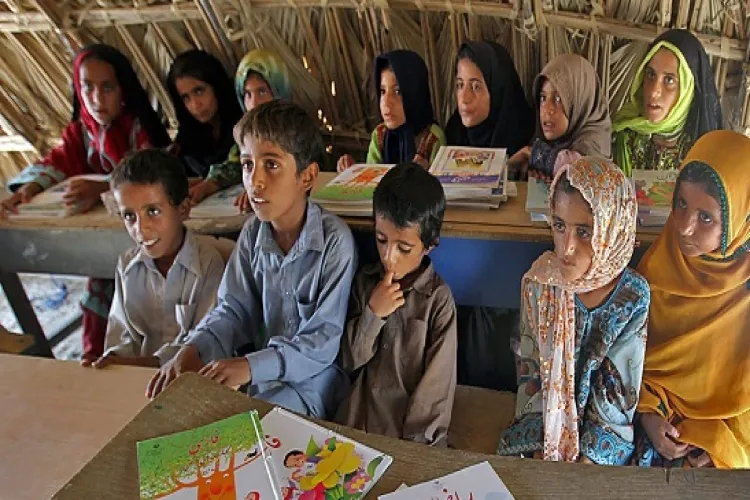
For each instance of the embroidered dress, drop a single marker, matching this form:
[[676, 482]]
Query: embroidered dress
[[579, 371]]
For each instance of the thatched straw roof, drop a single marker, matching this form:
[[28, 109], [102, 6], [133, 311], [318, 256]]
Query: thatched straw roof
[[330, 44]]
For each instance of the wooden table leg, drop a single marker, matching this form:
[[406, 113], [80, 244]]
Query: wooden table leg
[[24, 312]]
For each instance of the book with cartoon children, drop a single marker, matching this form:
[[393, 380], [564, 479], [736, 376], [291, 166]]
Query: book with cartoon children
[[478, 482], [351, 191], [220, 204], [467, 173], [654, 190], [279, 457]]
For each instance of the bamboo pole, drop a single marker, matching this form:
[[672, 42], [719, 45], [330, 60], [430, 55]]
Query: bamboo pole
[[312, 41], [350, 79]]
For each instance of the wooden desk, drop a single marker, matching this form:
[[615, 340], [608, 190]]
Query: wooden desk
[[55, 415], [193, 401]]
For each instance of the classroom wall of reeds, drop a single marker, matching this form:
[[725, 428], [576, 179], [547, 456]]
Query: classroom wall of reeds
[[329, 46]]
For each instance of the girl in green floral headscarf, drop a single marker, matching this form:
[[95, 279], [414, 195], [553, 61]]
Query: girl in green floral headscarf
[[261, 77], [673, 101]]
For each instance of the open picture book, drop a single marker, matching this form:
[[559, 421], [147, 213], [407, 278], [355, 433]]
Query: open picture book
[[280, 457], [49, 203]]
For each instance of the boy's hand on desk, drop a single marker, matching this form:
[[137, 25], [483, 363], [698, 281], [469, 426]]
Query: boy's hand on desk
[[387, 297], [242, 202], [202, 190], [83, 194], [186, 360], [231, 372]]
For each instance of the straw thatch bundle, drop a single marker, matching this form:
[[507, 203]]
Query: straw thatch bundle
[[329, 46]]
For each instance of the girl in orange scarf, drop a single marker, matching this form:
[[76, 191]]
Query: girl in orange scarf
[[695, 399]]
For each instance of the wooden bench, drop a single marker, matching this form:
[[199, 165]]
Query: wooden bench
[[479, 418]]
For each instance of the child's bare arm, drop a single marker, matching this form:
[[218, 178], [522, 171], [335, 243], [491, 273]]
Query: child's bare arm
[[429, 413]]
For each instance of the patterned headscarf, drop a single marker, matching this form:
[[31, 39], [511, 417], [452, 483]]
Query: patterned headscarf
[[613, 203], [271, 67]]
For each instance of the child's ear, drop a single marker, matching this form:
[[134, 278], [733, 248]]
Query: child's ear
[[310, 175], [431, 247], [184, 208]]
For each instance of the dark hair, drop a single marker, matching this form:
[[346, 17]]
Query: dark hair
[[409, 195], [702, 174], [153, 166], [133, 94], [293, 453], [193, 135], [564, 186], [287, 125]]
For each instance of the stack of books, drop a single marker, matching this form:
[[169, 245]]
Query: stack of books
[[350, 192], [654, 190], [537, 200], [472, 177]]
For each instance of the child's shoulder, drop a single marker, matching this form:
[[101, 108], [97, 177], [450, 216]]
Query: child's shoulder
[[210, 250], [634, 289], [335, 230]]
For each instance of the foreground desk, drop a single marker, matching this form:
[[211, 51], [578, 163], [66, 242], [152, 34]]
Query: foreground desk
[[55, 416], [192, 401]]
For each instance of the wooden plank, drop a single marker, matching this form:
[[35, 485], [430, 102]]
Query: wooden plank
[[192, 401], [55, 416]]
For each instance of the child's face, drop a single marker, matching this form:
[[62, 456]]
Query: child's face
[[257, 92], [100, 90], [198, 97], [296, 461], [552, 113], [151, 220], [472, 95], [572, 229], [276, 192], [697, 220], [401, 249], [661, 85], [391, 103]]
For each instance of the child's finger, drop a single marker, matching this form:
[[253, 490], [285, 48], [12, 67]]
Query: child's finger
[[206, 369], [86, 362], [153, 384], [388, 280], [400, 301]]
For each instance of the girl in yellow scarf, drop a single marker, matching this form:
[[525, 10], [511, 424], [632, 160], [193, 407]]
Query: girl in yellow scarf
[[695, 398]]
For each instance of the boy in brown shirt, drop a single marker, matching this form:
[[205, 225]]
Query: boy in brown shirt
[[400, 339]]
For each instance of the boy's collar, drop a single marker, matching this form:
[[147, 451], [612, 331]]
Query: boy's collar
[[423, 276], [310, 237], [186, 256]]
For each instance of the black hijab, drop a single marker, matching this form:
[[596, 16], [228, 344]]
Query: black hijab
[[705, 110], [510, 123], [411, 74], [197, 147]]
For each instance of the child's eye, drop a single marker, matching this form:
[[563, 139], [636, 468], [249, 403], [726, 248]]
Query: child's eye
[[459, 85], [200, 91], [381, 241], [382, 92], [558, 99], [542, 98], [583, 233], [272, 165], [670, 80], [681, 203], [650, 74], [705, 218], [247, 165], [128, 216], [559, 226], [153, 212], [397, 91], [476, 86], [404, 250], [264, 91]]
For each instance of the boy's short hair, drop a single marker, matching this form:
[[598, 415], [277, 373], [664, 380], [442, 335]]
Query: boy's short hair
[[153, 166], [287, 125], [407, 195]]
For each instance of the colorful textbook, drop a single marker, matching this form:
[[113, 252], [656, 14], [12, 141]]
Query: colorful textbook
[[654, 190], [280, 457], [220, 204], [351, 191], [472, 176]]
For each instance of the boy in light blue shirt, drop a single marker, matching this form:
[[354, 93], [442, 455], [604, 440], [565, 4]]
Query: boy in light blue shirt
[[286, 287]]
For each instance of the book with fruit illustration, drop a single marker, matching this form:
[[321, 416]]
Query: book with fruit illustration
[[654, 188]]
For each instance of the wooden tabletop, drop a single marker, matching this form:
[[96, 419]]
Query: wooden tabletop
[[55, 416], [509, 222], [192, 401]]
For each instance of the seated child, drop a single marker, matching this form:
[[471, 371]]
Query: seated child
[[572, 118], [409, 131], [286, 285], [400, 342], [583, 325], [695, 398], [167, 283]]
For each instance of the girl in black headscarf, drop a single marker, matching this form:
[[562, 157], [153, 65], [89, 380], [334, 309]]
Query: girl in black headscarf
[[207, 110], [492, 110], [408, 132], [673, 101]]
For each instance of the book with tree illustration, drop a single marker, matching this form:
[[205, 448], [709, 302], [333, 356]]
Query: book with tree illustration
[[469, 166], [354, 185], [226, 459], [314, 463], [478, 482], [654, 188]]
